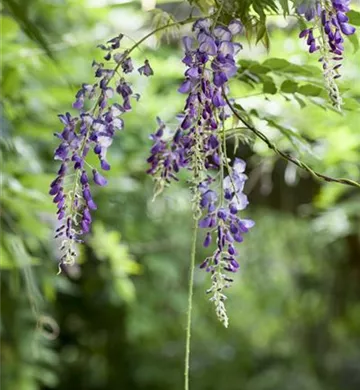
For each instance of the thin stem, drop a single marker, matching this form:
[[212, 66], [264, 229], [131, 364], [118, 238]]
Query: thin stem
[[286, 156], [189, 308]]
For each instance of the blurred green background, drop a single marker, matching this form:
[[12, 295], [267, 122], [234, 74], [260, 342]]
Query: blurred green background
[[116, 320]]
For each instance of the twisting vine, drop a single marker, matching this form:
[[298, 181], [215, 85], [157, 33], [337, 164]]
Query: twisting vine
[[287, 156]]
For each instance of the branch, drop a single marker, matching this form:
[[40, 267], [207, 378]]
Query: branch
[[287, 156]]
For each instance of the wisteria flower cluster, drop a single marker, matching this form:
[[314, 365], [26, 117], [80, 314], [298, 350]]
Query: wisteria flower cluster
[[331, 21], [91, 130], [210, 63], [222, 220], [198, 144]]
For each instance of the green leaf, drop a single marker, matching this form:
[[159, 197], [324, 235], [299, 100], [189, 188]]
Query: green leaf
[[276, 63], [245, 64], [281, 65], [351, 104], [259, 69], [354, 41], [285, 6], [301, 102], [289, 86], [310, 90], [261, 31], [354, 17], [269, 86], [266, 41]]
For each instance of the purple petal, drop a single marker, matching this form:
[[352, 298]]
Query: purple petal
[[61, 152], [105, 165], [303, 33], [222, 33], [207, 240], [91, 205], [222, 214], [238, 238], [239, 202], [231, 250], [234, 263], [202, 25], [185, 87], [220, 79], [83, 178], [192, 72], [59, 196], [79, 103], [188, 43], [186, 123], [235, 27], [55, 189], [341, 17], [86, 214], [309, 14], [239, 165], [347, 29], [85, 226], [233, 228], [213, 142], [187, 60], [98, 179], [226, 47], [327, 28], [205, 223], [247, 223], [313, 47], [218, 100], [208, 46]]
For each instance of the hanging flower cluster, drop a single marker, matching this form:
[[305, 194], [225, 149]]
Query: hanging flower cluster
[[92, 129], [210, 62], [221, 219], [332, 23], [198, 144]]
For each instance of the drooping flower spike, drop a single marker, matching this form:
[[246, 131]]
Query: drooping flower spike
[[91, 130], [222, 221], [330, 24], [197, 144], [209, 58]]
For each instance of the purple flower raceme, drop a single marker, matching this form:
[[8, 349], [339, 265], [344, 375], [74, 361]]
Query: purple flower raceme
[[210, 62], [221, 219], [89, 130], [196, 145], [331, 21]]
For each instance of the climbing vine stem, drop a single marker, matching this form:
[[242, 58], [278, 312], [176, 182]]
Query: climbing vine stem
[[287, 156]]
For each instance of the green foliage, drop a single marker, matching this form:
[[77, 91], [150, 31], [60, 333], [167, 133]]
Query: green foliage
[[20, 12], [354, 17], [294, 312]]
